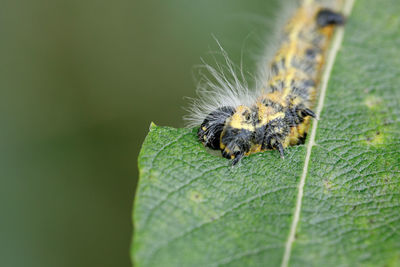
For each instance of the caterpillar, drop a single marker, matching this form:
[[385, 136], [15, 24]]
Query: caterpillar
[[238, 121]]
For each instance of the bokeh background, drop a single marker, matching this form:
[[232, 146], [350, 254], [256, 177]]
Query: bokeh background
[[81, 80]]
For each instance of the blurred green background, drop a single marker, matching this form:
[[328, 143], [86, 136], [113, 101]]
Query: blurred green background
[[80, 83]]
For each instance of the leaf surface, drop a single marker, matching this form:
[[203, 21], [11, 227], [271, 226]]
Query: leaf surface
[[193, 209]]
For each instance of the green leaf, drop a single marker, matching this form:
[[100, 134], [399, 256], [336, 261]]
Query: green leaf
[[334, 201]]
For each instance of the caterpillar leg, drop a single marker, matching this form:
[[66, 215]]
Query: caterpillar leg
[[237, 158], [281, 151], [326, 17]]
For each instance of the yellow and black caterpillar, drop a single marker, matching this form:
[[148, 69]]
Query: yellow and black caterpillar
[[280, 115]]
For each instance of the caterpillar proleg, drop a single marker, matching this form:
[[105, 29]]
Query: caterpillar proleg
[[239, 121]]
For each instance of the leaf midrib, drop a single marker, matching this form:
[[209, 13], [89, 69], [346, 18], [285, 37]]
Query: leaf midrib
[[336, 43]]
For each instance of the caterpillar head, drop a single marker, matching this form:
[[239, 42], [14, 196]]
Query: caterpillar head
[[230, 130]]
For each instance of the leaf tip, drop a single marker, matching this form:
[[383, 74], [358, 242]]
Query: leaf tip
[[152, 125]]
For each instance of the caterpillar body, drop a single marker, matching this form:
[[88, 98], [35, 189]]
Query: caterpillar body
[[278, 115]]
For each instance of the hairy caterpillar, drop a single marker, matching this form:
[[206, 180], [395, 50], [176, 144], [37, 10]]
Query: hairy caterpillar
[[238, 122]]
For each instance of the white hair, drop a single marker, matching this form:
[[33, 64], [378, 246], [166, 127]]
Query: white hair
[[223, 85], [226, 85]]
